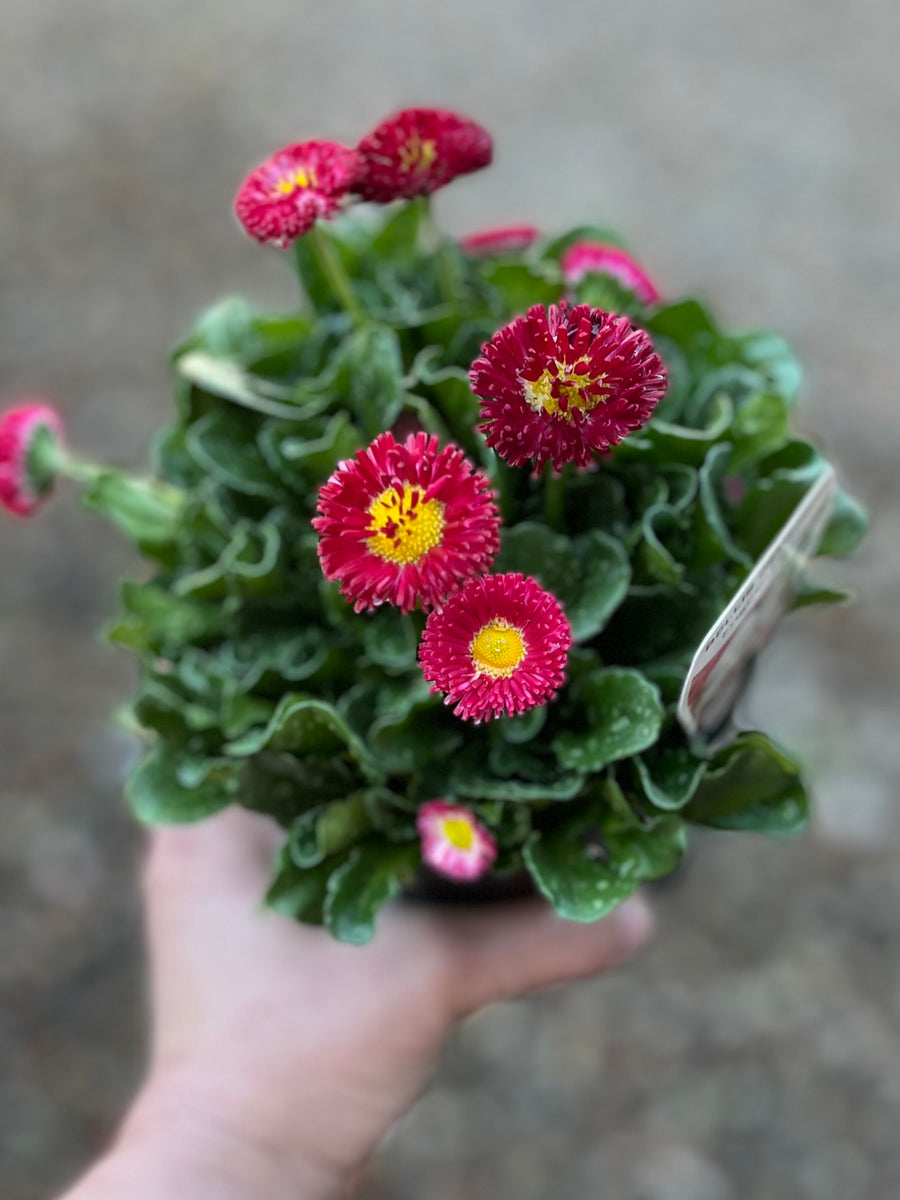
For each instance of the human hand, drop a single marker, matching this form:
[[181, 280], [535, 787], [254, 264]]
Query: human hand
[[280, 1057]]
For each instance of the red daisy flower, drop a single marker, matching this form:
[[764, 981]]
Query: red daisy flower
[[454, 841], [22, 485], [285, 196], [419, 150], [589, 258], [406, 522], [560, 384], [506, 239], [497, 647]]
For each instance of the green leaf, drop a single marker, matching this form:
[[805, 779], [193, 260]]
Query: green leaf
[[655, 557], [466, 780], [760, 427], [147, 511], [236, 330], [369, 377], [223, 444], [373, 874], [784, 479], [229, 380], [303, 726], [617, 713], [302, 461], [240, 712], [585, 871], [658, 620], [248, 564], [588, 575], [328, 829], [158, 798], [669, 778], [282, 786], [458, 406], [712, 537], [156, 619], [523, 727], [663, 442], [522, 285], [810, 593], [399, 236], [771, 355], [687, 322], [300, 892], [846, 527], [390, 639], [555, 248], [405, 739], [753, 785]]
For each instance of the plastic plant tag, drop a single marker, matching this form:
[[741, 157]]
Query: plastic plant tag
[[722, 665]]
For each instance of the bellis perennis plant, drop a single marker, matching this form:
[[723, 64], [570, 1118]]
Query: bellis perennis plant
[[432, 550]]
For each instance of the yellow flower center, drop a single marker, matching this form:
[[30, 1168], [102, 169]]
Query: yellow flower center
[[561, 394], [459, 833], [416, 152], [497, 648], [288, 184], [404, 525]]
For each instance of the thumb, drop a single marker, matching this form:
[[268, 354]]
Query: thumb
[[522, 946]]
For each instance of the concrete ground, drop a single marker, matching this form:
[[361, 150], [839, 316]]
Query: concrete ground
[[749, 150]]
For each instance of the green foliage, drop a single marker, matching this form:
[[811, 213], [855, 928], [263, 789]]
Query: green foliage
[[158, 796], [751, 785], [589, 575], [259, 685], [618, 714], [374, 872], [589, 863]]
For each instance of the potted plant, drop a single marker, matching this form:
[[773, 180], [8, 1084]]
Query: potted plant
[[432, 552]]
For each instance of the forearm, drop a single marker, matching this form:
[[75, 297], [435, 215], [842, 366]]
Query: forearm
[[169, 1146]]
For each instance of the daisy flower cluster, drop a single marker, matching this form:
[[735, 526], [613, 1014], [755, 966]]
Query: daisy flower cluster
[[412, 153], [431, 552]]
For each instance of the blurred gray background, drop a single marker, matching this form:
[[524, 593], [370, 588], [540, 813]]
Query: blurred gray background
[[748, 149]]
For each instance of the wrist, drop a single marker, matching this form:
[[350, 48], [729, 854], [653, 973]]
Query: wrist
[[191, 1137]]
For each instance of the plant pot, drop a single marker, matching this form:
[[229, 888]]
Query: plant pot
[[430, 888]]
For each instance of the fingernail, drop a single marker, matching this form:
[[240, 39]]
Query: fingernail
[[634, 924]]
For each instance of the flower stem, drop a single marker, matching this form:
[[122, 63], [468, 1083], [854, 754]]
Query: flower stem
[[504, 479], [333, 270], [79, 470], [554, 499], [446, 264]]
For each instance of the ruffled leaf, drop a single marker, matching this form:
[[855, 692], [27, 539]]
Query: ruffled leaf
[[846, 527], [670, 777], [373, 874], [300, 892], [752, 785], [589, 575], [157, 797], [615, 713], [304, 725], [328, 829], [586, 870]]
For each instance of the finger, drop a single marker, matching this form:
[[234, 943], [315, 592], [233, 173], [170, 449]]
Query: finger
[[520, 947], [232, 851]]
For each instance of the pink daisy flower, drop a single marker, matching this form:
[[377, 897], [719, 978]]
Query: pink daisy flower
[[406, 523], [505, 239], [497, 647], [595, 258], [419, 150], [563, 383], [454, 841], [22, 489], [284, 197]]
